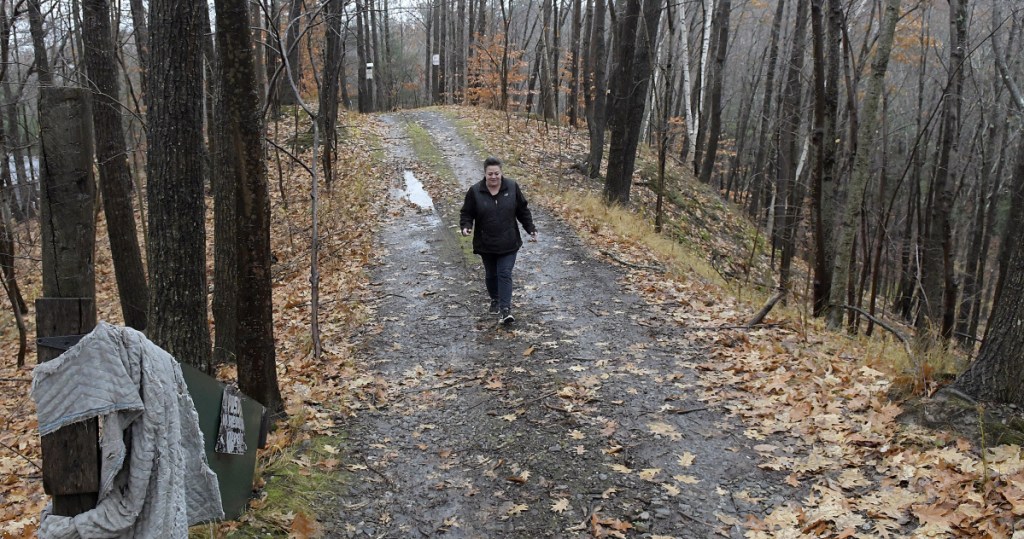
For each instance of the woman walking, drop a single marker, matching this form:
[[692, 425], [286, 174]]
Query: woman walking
[[490, 211]]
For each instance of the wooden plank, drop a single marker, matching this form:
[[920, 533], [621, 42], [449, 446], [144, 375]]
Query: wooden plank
[[71, 455]]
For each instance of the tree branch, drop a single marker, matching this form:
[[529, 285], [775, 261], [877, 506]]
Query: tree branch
[[899, 335]]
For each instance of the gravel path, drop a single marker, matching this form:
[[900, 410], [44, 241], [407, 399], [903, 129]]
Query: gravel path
[[581, 419]]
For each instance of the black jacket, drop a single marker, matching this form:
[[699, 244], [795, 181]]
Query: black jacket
[[493, 218]]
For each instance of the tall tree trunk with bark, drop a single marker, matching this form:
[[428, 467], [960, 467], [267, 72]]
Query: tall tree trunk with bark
[[177, 319], [240, 116], [35, 22], [140, 30], [111, 155], [379, 95], [866, 136], [790, 188], [290, 80], [435, 46], [760, 170], [596, 115], [362, 54], [996, 374], [574, 62], [719, 26], [635, 50], [546, 69], [328, 111], [937, 258], [823, 140]]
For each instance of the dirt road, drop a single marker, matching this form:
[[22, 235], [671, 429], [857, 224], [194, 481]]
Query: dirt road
[[581, 419]]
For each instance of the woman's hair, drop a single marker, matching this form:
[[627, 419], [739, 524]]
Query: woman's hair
[[492, 162]]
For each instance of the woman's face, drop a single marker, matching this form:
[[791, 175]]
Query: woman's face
[[493, 175]]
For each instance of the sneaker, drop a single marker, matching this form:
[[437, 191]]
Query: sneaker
[[494, 307], [506, 317]]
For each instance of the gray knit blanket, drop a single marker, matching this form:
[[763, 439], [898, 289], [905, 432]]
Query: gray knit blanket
[[164, 484]]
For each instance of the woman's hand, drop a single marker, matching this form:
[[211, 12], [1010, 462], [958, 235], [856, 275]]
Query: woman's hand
[[467, 231], [533, 236]]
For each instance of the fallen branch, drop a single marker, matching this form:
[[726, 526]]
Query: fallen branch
[[659, 269], [15, 379], [531, 401], [376, 471], [720, 328], [899, 335], [759, 317]]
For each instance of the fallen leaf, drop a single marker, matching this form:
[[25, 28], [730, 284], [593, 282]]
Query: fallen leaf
[[576, 435], [687, 479], [516, 509], [303, 527], [509, 417], [529, 351], [664, 429], [648, 474], [686, 459], [560, 505], [671, 489], [621, 468]]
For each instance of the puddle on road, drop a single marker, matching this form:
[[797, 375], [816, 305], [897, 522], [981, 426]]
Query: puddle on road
[[414, 192]]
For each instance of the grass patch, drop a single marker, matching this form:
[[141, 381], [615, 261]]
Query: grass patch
[[427, 151], [297, 481], [627, 225]]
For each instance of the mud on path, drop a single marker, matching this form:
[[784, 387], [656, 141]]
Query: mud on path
[[578, 420]]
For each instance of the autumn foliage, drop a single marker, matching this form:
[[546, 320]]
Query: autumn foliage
[[495, 69]]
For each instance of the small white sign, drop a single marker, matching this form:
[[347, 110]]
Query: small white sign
[[435, 59], [369, 70], [231, 435]]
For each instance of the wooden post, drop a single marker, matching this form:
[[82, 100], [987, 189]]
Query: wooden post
[[68, 306]]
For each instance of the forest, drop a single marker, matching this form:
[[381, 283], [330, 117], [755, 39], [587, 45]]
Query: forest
[[873, 148]]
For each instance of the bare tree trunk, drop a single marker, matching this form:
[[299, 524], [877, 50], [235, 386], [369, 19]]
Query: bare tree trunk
[[35, 19], [111, 156], [759, 168], [545, 69], [141, 32], [597, 117], [378, 83], [290, 81], [444, 93], [240, 115], [995, 375], [328, 111], [177, 245], [574, 62], [638, 37], [937, 261], [435, 61], [362, 53], [789, 184], [720, 26], [685, 86], [823, 137], [857, 184]]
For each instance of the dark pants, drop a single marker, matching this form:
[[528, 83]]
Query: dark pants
[[498, 276]]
